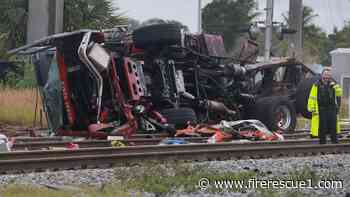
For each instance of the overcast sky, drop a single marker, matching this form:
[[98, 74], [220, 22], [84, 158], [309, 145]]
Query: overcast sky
[[331, 12]]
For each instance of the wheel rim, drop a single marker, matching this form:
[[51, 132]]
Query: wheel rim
[[283, 117]]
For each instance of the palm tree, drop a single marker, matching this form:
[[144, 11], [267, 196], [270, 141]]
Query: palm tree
[[13, 22], [78, 14], [91, 14], [308, 26], [227, 17]]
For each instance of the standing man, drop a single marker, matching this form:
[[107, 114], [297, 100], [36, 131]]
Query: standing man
[[324, 104]]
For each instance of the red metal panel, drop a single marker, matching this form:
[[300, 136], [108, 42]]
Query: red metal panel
[[215, 45], [65, 89], [131, 126], [134, 83]]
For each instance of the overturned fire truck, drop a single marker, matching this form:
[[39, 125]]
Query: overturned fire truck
[[160, 78]]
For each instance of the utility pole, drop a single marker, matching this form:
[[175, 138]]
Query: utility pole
[[45, 17], [296, 23], [199, 16], [269, 28]]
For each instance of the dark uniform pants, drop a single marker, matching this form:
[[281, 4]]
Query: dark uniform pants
[[328, 125]]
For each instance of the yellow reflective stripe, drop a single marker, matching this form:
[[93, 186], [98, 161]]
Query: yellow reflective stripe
[[338, 125], [338, 90], [313, 105], [313, 97], [314, 125], [312, 101]]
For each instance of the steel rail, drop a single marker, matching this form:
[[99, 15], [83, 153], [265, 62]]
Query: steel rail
[[61, 138], [98, 143], [18, 162], [132, 149], [302, 132], [46, 143]]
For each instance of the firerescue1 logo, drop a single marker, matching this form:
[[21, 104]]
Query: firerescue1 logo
[[205, 184]]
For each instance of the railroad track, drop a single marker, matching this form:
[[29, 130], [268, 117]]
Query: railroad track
[[30, 143], [38, 145], [28, 161], [60, 138]]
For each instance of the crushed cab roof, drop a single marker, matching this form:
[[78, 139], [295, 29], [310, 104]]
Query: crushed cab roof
[[46, 42]]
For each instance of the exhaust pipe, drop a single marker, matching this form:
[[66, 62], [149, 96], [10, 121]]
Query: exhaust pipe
[[84, 58], [219, 107], [210, 105]]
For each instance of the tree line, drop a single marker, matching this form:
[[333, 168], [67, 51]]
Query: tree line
[[224, 17]]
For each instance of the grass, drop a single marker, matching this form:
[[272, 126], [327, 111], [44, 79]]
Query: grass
[[163, 179], [302, 123], [26, 190], [41, 191], [159, 179], [17, 106], [344, 113]]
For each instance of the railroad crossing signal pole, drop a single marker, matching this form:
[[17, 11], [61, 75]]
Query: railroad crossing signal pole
[[199, 16], [269, 28], [296, 23], [45, 17]]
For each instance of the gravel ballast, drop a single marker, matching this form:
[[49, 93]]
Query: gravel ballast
[[325, 166]]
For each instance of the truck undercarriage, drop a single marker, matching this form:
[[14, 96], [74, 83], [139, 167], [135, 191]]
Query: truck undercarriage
[[159, 78]]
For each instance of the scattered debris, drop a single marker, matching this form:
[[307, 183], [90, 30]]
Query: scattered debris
[[198, 130], [5, 143], [250, 129], [61, 187], [173, 141], [117, 143], [230, 130], [220, 137], [72, 146]]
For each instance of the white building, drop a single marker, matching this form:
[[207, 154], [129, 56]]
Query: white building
[[341, 68]]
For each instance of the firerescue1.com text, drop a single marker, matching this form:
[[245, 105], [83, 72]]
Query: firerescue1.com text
[[205, 184]]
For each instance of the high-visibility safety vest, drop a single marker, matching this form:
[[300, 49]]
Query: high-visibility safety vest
[[312, 106]]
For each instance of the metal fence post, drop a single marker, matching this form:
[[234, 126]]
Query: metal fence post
[[348, 102]]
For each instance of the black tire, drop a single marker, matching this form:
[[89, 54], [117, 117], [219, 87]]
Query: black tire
[[267, 109], [302, 95], [180, 117], [157, 36]]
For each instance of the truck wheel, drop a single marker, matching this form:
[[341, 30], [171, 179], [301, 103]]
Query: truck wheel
[[180, 116], [277, 113], [157, 36], [302, 95]]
